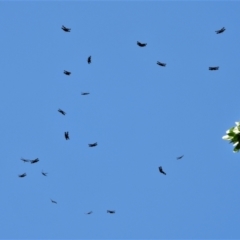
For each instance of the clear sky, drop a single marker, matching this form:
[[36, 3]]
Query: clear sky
[[142, 115]]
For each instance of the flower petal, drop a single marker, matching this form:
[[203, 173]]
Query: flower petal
[[226, 137]]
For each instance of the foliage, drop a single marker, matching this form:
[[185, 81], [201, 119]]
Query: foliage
[[233, 135]]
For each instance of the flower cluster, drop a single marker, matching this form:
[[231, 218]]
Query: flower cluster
[[233, 135]]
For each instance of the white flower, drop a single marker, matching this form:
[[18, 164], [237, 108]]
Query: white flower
[[236, 130], [226, 137], [233, 135], [235, 144], [237, 123]]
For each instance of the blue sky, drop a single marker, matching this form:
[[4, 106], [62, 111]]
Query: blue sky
[[142, 115]]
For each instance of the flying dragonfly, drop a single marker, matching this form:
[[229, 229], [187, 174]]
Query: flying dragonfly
[[34, 160], [22, 175], [85, 93], [161, 171], [213, 68], [66, 134], [180, 157], [220, 30], [89, 213], [44, 174], [66, 29], [92, 144], [89, 59], [61, 111], [53, 201], [141, 44], [67, 72], [110, 211], [25, 160], [161, 64]]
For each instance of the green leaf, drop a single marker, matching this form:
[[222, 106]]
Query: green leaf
[[230, 130], [235, 138], [232, 134], [237, 148]]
